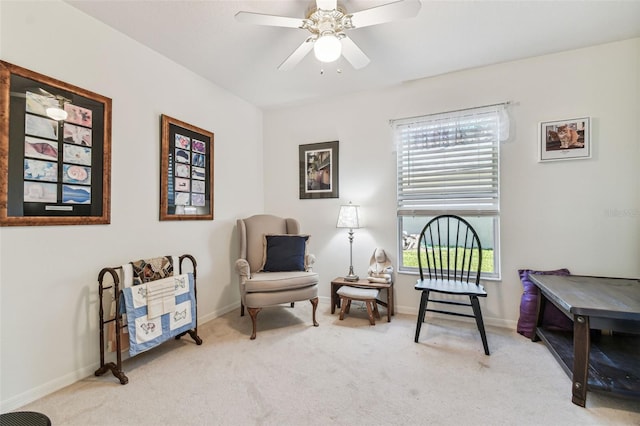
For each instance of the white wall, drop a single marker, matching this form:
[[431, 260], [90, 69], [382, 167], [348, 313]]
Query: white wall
[[48, 275], [581, 214], [584, 215]]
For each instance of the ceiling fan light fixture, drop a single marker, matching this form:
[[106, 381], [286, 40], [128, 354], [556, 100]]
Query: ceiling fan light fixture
[[327, 48], [57, 113]]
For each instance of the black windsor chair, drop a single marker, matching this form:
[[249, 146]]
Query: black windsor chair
[[450, 261]]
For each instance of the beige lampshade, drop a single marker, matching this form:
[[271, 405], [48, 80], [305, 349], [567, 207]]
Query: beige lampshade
[[348, 217]]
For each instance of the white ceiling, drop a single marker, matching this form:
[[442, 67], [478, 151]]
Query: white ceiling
[[446, 36]]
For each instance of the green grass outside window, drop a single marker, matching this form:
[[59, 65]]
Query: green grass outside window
[[410, 259]]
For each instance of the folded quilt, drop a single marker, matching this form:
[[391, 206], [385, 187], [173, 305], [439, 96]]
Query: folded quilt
[[161, 297], [145, 332]]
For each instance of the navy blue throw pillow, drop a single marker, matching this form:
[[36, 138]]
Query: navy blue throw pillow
[[284, 253]]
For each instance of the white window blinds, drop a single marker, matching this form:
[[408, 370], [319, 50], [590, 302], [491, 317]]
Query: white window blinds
[[450, 161]]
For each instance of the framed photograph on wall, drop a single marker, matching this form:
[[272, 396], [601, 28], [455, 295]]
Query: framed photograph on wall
[[186, 171], [318, 170], [565, 139], [55, 151]]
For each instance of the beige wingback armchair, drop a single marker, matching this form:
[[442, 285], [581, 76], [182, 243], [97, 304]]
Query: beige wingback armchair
[[259, 288]]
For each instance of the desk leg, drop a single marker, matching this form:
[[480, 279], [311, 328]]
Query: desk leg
[[542, 300], [335, 300], [581, 345]]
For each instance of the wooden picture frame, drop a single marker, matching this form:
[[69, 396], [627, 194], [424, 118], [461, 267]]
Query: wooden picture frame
[[186, 171], [54, 169], [565, 139], [318, 164]]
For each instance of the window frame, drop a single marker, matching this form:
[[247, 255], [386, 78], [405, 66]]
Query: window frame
[[496, 275], [433, 206]]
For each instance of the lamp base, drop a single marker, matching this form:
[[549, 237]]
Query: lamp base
[[351, 278]]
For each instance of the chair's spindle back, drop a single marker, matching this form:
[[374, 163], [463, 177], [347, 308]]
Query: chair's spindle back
[[449, 249]]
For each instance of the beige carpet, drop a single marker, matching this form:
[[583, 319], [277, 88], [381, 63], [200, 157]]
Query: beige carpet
[[342, 373]]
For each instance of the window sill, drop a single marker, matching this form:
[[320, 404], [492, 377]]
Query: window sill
[[416, 273]]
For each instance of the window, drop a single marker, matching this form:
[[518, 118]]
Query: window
[[449, 163]]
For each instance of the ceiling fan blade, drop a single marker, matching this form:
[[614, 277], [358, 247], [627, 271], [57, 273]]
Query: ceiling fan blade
[[354, 54], [297, 55], [326, 4], [271, 20], [386, 13]]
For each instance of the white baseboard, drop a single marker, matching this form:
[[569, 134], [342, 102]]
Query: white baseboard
[[47, 388], [218, 313], [84, 372], [61, 382], [409, 310]]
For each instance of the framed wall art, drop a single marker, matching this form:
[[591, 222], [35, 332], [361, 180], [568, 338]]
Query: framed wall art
[[186, 171], [318, 170], [565, 139], [55, 151]]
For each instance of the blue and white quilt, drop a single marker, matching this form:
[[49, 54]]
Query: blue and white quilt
[[146, 333]]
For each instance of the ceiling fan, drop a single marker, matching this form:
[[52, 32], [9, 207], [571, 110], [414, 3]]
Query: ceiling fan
[[328, 21]]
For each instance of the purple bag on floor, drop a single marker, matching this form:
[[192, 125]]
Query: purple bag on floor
[[552, 317]]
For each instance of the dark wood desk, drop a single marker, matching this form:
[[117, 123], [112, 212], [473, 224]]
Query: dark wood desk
[[363, 283], [603, 351]]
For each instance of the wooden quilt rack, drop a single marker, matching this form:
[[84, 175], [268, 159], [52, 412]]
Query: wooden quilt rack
[[116, 368]]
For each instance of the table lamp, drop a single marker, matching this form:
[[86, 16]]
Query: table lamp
[[348, 218]]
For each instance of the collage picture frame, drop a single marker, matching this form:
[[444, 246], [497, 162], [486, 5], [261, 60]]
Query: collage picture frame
[[55, 151], [186, 169]]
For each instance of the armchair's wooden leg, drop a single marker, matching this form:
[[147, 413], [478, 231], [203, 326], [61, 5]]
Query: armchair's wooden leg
[[253, 312], [292, 304], [241, 309], [314, 302]]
